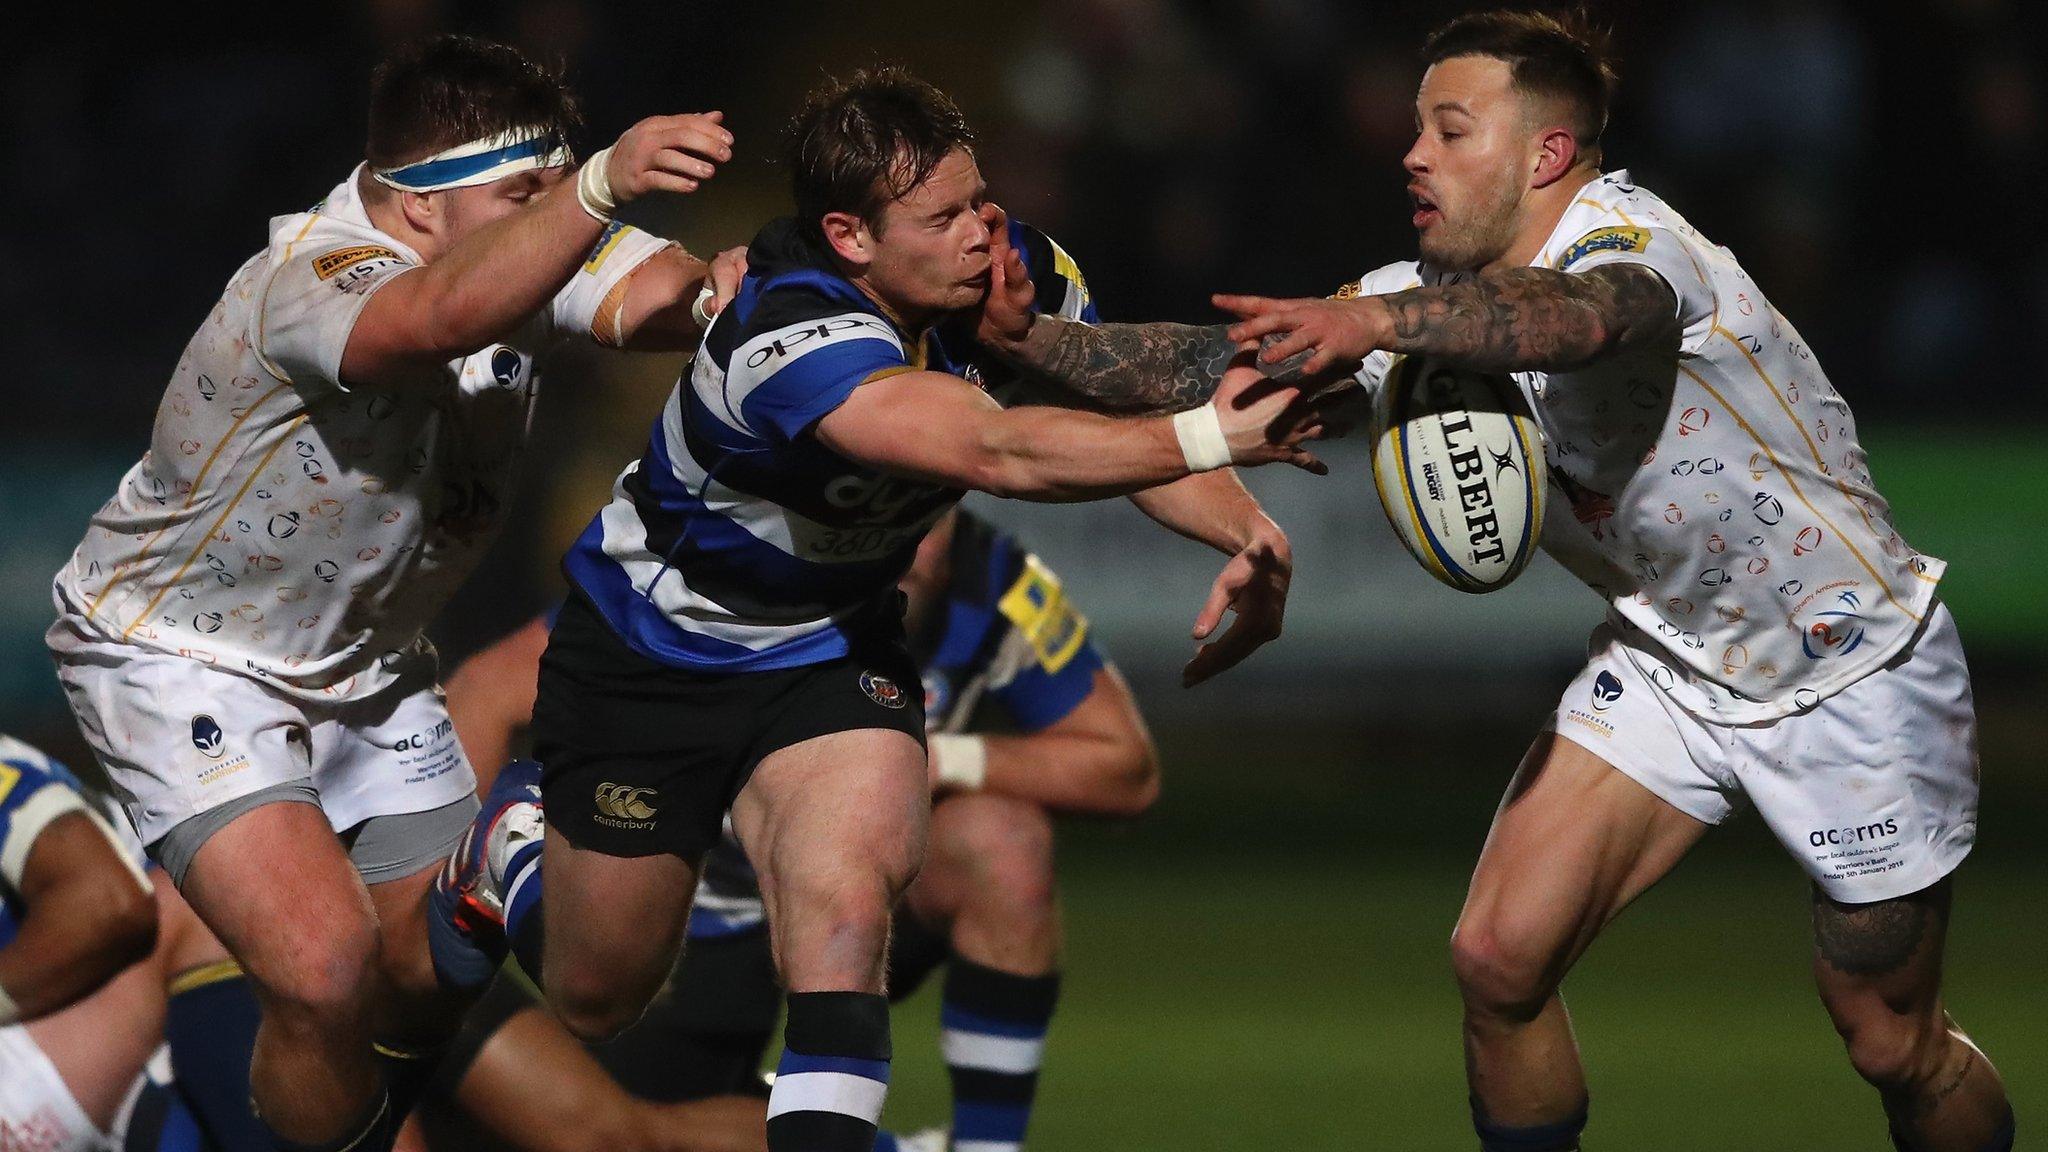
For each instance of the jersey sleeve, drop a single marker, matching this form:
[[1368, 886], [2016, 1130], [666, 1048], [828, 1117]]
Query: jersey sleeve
[[1664, 251], [1062, 290], [310, 305], [1378, 282], [590, 303], [1056, 658], [32, 795], [783, 380]]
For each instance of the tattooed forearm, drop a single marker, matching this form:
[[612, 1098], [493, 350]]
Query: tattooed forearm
[[1533, 318], [1135, 367]]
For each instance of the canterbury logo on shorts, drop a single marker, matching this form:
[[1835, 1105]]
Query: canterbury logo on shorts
[[624, 806]]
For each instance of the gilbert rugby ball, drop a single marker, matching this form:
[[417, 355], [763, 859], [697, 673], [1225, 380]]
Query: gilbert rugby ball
[[1458, 460]]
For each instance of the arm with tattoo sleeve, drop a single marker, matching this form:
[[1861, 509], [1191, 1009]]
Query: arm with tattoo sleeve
[[1157, 367], [1515, 319]]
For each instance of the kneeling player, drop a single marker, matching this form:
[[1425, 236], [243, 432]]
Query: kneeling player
[[995, 633]]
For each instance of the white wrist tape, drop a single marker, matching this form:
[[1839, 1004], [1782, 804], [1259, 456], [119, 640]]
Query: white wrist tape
[[959, 761], [10, 1012], [704, 296], [594, 187], [1202, 444]]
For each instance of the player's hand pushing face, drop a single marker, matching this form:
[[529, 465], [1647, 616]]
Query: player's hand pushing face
[[1006, 310], [1265, 422], [668, 154], [1336, 333]]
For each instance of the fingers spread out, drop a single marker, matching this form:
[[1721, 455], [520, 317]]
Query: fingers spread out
[[1246, 306]]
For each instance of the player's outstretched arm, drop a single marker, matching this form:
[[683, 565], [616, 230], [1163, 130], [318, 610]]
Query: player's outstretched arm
[[1515, 319], [492, 280], [1216, 509], [671, 298], [1157, 367], [1096, 760], [90, 915], [938, 428]]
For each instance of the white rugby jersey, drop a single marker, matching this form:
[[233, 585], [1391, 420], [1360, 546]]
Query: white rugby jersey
[[289, 528], [1718, 499]]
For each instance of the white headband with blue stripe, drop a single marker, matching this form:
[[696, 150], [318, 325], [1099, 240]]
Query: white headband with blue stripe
[[477, 162]]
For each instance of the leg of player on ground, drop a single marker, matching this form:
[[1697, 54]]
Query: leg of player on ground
[[614, 927], [1879, 971], [835, 827], [988, 885], [278, 890], [417, 1012], [1573, 843]]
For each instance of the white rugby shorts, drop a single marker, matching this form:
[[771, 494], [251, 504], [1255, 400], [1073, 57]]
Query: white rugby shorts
[[179, 737], [37, 1110], [1873, 790]]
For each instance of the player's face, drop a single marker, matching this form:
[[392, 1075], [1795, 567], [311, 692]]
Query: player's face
[[929, 250], [464, 210], [1470, 165]]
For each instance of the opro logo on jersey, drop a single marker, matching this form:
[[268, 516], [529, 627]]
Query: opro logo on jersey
[[207, 737], [1475, 492], [840, 328], [1854, 834]]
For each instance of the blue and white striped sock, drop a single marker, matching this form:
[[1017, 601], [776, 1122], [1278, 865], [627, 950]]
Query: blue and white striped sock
[[833, 1075], [522, 908], [993, 1041]]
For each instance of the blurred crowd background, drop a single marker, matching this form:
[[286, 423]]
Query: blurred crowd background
[[1878, 168]]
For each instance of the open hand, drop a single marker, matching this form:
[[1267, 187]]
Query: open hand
[[1336, 333], [1007, 310], [1253, 586], [669, 154], [1266, 422]]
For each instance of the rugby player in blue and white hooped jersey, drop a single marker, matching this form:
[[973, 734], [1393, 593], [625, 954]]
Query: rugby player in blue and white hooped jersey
[[733, 637], [75, 910], [1770, 637], [240, 630]]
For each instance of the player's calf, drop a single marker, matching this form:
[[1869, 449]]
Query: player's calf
[[1878, 967]]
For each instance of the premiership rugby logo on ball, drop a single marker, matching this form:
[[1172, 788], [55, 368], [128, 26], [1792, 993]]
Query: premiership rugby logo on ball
[[1458, 460]]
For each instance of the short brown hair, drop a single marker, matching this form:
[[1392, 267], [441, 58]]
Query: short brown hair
[[444, 90], [858, 143], [1559, 57]]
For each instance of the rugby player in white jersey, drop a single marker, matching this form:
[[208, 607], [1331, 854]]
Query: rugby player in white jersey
[[1770, 637], [733, 637], [239, 633]]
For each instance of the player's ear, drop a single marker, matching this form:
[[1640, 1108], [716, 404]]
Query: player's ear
[[849, 236], [1557, 152], [422, 210]]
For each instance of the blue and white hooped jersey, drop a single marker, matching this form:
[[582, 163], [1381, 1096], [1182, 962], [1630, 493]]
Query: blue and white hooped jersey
[[1005, 650], [738, 542], [34, 790]]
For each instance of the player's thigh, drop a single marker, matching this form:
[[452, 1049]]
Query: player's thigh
[[278, 890], [614, 923], [1574, 841]]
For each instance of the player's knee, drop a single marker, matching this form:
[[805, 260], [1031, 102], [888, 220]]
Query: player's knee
[[323, 983], [1498, 974], [1004, 848], [592, 1008], [1891, 1051]]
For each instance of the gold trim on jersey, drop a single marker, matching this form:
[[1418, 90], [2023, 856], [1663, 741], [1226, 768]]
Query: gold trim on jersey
[[254, 474], [263, 301], [1794, 485]]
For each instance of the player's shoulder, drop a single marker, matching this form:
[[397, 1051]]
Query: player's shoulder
[[334, 242], [26, 771], [792, 305], [1062, 289], [1396, 277], [1613, 214]]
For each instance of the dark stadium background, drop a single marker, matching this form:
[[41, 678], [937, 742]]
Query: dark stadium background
[[1261, 962]]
